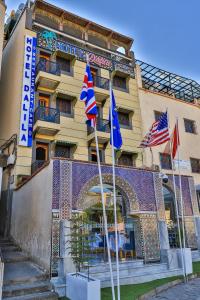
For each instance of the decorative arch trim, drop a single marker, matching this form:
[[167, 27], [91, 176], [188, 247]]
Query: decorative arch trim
[[132, 203]]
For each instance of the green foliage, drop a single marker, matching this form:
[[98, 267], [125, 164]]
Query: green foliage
[[79, 241]]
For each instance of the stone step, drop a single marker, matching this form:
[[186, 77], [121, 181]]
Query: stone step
[[130, 270], [14, 256], [22, 272], [6, 248], [24, 289], [35, 296], [134, 279], [104, 267]]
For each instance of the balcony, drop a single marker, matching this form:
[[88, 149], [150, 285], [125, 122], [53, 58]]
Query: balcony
[[47, 121], [103, 131], [101, 87], [38, 164], [48, 75]]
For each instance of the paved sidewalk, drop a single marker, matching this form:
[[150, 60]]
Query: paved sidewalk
[[189, 291]]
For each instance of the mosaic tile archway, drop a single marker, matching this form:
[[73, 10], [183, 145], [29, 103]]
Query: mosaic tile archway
[[126, 190]]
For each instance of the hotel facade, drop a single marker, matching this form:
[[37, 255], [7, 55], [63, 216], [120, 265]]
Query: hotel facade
[[55, 173]]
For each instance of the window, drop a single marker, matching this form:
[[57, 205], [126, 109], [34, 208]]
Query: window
[[195, 165], [63, 151], [157, 114], [93, 154], [41, 151], [44, 55], [64, 64], [126, 159], [119, 82], [165, 161], [64, 106], [124, 119], [43, 100], [190, 126]]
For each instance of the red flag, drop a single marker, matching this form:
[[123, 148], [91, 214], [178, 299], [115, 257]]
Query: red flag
[[175, 140]]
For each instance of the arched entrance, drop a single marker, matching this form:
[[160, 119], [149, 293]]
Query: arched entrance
[[93, 211], [170, 215]]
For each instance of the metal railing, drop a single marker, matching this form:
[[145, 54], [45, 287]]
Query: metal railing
[[102, 125], [48, 66], [101, 82], [1, 273], [47, 114], [37, 165]]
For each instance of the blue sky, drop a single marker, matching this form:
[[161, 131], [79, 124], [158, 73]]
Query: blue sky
[[166, 32]]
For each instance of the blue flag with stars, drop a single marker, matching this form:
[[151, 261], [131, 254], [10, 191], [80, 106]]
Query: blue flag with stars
[[117, 138]]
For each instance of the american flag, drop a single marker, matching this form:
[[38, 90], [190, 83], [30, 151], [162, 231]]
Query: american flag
[[158, 133], [88, 96]]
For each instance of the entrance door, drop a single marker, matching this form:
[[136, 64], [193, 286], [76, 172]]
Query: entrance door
[[126, 236]]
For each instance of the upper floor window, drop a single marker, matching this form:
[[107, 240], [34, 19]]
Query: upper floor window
[[127, 159], [190, 126], [125, 119], [195, 165], [65, 106], [165, 161], [64, 151], [64, 64], [157, 115], [93, 154], [119, 82], [44, 100]]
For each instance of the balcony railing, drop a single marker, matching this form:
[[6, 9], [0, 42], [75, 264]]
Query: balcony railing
[[47, 114], [102, 125], [48, 66], [101, 82], [38, 164]]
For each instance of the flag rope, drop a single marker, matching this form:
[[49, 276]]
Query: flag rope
[[104, 214], [114, 191]]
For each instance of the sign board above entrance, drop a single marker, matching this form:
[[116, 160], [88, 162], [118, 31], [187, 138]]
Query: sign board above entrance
[[48, 40]]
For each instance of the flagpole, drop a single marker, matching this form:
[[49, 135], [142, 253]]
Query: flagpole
[[181, 197], [114, 191], [176, 206], [104, 213]]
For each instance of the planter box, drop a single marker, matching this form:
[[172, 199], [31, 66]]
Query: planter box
[[188, 259], [79, 288]]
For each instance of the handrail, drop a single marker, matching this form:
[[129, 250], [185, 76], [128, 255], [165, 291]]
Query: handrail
[[47, 114], [48, 66], [101, 125]]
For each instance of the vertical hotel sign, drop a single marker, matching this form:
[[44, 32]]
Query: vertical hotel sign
[[28, 92]]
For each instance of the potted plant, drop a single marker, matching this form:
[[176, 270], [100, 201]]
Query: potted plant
[[79, 285]]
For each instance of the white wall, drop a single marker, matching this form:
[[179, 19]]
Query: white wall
[[31, 216]]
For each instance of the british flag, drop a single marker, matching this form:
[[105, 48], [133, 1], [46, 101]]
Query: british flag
[[158, 133], [88, 96]]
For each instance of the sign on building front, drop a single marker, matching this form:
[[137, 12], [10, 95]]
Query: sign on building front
[[28, 92], [48, 40]]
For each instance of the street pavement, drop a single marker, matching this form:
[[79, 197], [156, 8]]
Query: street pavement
[[189, 291]]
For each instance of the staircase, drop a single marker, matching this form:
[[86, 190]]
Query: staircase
[[132, 272], [23, 279]]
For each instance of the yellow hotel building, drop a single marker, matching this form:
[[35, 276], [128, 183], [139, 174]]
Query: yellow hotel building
[[59, 128]]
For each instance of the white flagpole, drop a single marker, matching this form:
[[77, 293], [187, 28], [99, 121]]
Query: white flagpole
[[181, 197], [176, 206], [114, 192], [104, 215]]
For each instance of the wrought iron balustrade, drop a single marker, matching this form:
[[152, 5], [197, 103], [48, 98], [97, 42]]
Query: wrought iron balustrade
[[48, 66], [101, 82], [102, 125], [47, 114], [37, 165]]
